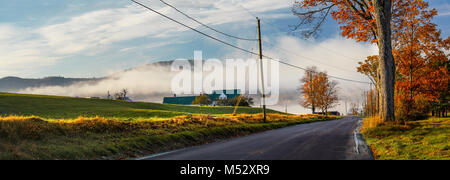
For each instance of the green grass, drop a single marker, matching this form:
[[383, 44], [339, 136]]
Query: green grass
[[55, 107], [50, 127], [419, 140]]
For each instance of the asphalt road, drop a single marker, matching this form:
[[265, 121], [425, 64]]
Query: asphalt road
[[330, 140]]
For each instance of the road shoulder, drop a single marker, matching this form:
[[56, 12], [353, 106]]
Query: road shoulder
[[362, 149]]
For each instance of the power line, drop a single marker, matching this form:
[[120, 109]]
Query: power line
[[193, 29], [209, 27], [281, 31], [254, 15], [239, 48], [288, 51], [304, 69], [307, 58]]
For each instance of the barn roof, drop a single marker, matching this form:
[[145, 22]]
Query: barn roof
[[187, 100]]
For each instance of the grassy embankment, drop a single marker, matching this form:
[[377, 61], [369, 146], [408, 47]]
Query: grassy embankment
[[415, 140], [46, 127]]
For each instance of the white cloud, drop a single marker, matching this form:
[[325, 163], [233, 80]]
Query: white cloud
[[94, 32], [18, 51], [443, 9], [337, 56]]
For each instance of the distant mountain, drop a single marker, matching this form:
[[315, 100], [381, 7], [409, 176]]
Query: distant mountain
[[159, 64], [12, 84]]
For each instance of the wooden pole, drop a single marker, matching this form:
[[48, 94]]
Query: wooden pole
[[261, 69]]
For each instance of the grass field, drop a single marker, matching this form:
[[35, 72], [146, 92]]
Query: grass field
[[48, 127], [419, 140], [54, 107]]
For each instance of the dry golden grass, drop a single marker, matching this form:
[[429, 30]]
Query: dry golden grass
[[370, 123], [87, 138], [18, 127], [245, 118]]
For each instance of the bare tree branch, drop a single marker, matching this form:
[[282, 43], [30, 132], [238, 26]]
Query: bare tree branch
[[309, 17]]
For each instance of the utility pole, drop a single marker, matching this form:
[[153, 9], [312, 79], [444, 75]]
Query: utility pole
[[261, 70]]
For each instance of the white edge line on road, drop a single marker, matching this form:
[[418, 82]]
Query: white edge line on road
[[356, 142], [156, 155], [360, 143], [355, 136]]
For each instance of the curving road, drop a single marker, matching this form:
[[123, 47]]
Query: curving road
[[330, 140]]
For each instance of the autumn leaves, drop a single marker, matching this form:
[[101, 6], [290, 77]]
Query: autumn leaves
[[318, 91], [420, 59]]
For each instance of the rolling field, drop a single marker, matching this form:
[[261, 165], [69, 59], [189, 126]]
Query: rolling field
[[54, 107], [49, 127]]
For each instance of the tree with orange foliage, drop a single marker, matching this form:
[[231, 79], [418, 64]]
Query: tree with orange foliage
[[362, 20], [308, 89], [370, 68], [422, 65], [318, 91], [420, 59], [327, 92]]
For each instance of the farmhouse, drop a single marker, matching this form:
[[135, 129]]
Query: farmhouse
[[335, 113], [218, 94]]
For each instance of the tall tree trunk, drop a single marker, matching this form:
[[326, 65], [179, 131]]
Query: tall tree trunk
[[383, 13]]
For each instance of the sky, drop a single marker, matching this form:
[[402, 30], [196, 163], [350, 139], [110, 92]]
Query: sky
[[86, 38]]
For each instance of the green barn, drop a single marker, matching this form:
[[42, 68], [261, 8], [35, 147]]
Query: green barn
[[218, 94]]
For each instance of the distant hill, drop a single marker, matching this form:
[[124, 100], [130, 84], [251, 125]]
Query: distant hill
[[11, 84], [15, 84], [159, 64]]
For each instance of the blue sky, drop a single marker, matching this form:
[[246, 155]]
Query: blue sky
[[81, 38]]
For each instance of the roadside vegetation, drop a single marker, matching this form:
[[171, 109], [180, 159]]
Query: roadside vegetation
[[410, 140], [36, 138]]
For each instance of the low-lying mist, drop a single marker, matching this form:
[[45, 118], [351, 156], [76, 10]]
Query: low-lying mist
[[151, 83], [144, 83]]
